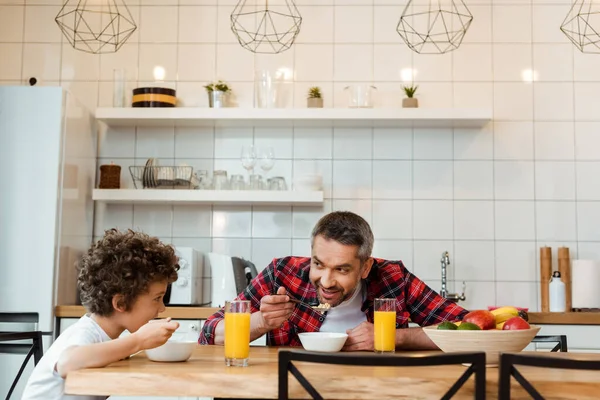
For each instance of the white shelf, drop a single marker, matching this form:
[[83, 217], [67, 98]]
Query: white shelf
[[227, 117], [224, 197]]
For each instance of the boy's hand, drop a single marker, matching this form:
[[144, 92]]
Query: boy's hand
[[155, 333]]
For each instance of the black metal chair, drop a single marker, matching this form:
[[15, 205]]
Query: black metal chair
[[476, 359], [560, 340], [508, 363], [27, 342]]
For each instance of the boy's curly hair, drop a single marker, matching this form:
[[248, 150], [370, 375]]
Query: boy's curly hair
[[123, 263]]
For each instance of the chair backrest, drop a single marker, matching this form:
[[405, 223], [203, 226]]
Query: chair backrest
[[508, 368], [19, 334], [475, 359], [560, 340]]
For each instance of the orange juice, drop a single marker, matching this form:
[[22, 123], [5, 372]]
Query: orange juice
[[385, 330], [237, 335]]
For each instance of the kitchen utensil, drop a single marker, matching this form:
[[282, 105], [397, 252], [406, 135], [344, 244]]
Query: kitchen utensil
[[172, 351], [564, 267], [326, 342]]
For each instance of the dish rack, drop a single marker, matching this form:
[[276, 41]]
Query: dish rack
[[159, 177]]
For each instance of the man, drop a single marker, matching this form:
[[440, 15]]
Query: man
[[341, 273]]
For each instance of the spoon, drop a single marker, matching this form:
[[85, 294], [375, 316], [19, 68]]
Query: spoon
[[321, 308]]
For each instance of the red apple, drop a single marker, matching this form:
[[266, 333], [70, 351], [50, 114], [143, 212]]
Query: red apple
[[515, 324], [482, 318]]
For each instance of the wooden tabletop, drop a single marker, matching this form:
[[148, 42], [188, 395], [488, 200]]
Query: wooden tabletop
[[538, 318], [205, 375]]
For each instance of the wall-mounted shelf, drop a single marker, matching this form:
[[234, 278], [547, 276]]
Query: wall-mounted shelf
[[218, 197], [302, 117]]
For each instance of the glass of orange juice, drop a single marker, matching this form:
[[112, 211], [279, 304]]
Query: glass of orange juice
[[385, 325], [237, 333]]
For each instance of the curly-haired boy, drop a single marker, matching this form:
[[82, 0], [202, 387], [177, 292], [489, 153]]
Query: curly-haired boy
[[122, 280]]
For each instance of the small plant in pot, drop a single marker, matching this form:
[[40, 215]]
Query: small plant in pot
[[314, 98], [218, 93], [410, 101]]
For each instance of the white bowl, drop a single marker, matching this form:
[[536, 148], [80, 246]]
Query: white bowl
[[172, 351], [492, 342], [326, 342]]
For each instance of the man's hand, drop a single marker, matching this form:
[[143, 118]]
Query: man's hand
[[275, 309], [360, 338]]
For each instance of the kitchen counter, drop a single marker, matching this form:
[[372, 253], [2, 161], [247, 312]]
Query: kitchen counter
[[572, 318]]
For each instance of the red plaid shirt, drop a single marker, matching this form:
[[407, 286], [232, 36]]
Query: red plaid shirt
[[387, 279]]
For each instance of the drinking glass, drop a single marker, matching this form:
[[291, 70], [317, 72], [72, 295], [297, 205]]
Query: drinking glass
[[267, 159], [237, 182], [237, 333], [265, 89], [220, 180], [119, 76], [248, 158], [385, 325]]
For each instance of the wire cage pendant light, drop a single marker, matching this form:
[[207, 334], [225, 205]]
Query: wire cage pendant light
[[434, 26], [96, 26], [582, 26], [266, 27]]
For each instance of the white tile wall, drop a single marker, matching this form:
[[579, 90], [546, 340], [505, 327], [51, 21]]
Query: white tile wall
[[489, 196]]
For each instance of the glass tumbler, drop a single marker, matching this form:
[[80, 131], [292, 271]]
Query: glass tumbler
[[237, 333], [385, 325]]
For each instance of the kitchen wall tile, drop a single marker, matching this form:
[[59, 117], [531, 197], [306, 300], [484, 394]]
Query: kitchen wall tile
[[554, 62], [514, 220], [436, 95], [41, 61], [108, 216], [158, 24], [464, 69], [265, 250], [155, 220], [155, 142], [547, 18], [197, 24], [301, 247], [364, 208], [392, 61], [432, 68], [196, 62], [511, 23], [313, 143], [304, 219], [474, 261], [433, 220], [556, 220], [479, 295], [513, 101], [555, 180], [474, 95], [518, 294], [229, 58], [589, 250], [554, 141], [392, 219], [229, 142], [587, 140], [586, 101], [157, 55], [473, 180], [116, 142], [392, 180], [79, 66], [232, 222], [585, 67], [191, 94], [473, 220], [126, 58], [392, 144], [353, 62], [548, 106], [224, 32], [474, 144], [386, 20], [513, 141], [432, 144], [514, 180], [588, 186], [40, 25], [280, 139], [352, 179], [306, 67], [194, 142], [191, 221], [317, 25], [11, 23], [480, 30], [396, 250], [427, 255], [588, 219], [432, 179], [233, 247], [10, 64], [85, 92], [271, 222], [516, 261], [352, 143], [512, 61], [353, 24]]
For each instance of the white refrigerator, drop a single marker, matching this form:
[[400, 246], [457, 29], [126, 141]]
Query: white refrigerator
[[48, 144]]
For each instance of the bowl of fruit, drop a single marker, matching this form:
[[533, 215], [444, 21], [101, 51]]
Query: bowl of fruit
[[503, 330]]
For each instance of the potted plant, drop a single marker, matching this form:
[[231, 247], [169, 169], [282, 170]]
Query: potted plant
[[410, 101], [218, 93], [314, 98]]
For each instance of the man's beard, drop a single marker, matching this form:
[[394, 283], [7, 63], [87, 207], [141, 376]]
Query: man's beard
[[337, 302]]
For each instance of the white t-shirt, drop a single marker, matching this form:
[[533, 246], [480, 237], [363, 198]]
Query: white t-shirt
[[45, 383], [347, 315]]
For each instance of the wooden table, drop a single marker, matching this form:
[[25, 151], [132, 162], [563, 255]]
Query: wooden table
[[205, 375]]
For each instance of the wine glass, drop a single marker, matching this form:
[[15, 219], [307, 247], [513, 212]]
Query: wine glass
[[248, 157], [267, 159]]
